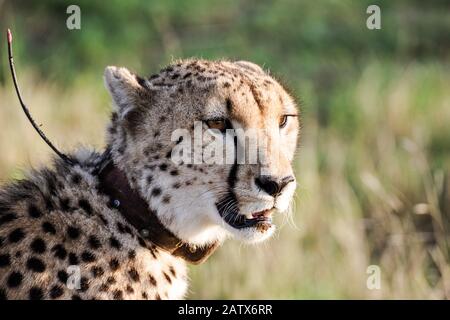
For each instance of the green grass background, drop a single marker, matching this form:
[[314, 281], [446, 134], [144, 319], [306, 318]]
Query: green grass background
[[374, 158]]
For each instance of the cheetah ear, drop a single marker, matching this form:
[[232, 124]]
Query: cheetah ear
[[250, 66], [124, 88]]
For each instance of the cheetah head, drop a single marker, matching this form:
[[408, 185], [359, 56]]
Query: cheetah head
[[163, 131]]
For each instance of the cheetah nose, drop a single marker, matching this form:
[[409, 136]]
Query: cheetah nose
[[271, 186]]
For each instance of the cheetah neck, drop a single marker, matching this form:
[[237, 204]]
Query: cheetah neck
[[114, 183]]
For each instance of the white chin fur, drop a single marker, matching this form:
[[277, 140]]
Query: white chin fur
[[211, 230], [203, 225], [251, 235]]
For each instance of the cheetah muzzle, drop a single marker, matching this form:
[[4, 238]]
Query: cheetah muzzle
[[74, 231]]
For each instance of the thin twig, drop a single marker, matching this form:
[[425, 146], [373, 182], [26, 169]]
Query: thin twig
[[24, 107]]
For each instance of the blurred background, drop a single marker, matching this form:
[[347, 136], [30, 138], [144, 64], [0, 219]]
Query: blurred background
[[374, 157]]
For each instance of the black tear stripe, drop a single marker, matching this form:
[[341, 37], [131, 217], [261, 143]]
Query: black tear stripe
[[229, 105], [232, 177], [228, 205]]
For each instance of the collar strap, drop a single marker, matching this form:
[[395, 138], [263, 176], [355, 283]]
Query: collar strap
[[114, 183]]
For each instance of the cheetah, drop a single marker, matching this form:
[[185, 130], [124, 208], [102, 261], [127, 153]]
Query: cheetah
[[122, 223]]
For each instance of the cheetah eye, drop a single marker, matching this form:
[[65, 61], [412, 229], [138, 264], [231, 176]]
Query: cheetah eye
[[219, 124], [283, 121]]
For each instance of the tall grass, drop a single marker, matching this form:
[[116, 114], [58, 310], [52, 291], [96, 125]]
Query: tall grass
[[373, 186]]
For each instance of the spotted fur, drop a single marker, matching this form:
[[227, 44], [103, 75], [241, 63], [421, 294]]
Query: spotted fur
[[56, 217]]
